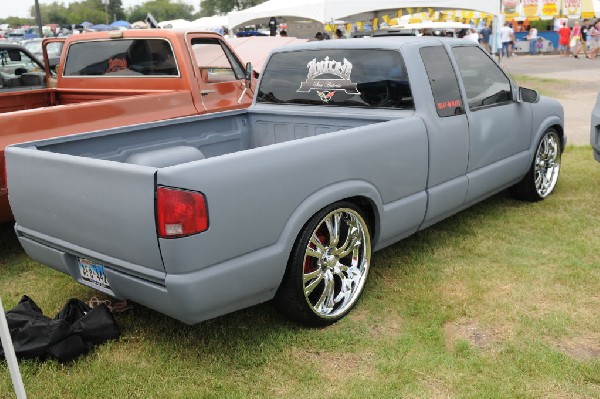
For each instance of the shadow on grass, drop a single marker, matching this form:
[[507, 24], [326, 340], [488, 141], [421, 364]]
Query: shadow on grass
[[250, 336], [9, 244]]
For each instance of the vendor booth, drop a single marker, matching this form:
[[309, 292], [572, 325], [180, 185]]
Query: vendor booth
[[326, 11]]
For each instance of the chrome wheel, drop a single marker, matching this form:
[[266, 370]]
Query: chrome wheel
[[336, 263], [547, 164], [328, 266], [540, 181]]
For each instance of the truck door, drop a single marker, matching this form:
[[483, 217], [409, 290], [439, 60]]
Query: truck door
[[448, 130], [220, 75], [499, 127]]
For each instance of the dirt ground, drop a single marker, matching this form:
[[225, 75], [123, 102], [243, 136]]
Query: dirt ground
[[578, 97]]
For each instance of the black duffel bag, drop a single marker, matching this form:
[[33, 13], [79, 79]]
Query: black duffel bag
[[74, 330]]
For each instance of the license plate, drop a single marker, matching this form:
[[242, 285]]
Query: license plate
[[93, 273]]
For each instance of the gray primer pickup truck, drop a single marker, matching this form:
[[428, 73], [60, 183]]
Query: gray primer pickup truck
[[349, 146]]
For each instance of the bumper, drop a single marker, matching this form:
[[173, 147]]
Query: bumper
[[191, 297]]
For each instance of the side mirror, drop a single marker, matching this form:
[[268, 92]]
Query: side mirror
[[528, 95], [248, 75]]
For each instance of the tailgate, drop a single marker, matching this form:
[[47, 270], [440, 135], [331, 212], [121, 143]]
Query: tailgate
[[86, 206]]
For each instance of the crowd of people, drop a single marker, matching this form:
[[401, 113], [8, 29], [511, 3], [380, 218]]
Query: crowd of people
[[582, 37]]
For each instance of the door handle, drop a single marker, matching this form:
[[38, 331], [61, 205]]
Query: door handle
[[242, 95], [206, 92]]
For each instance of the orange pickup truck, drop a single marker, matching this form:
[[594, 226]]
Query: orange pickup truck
[[111, 79]]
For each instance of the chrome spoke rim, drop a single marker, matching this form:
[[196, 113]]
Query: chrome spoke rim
[[547, 164], [336, 263]]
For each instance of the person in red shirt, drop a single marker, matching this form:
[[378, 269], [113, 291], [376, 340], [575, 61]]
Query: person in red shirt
[[564, 35]]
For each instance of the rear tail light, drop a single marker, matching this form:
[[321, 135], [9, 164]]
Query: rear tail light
[[180, 213]]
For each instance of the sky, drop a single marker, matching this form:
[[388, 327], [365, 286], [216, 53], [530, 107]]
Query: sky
[[20, 8]]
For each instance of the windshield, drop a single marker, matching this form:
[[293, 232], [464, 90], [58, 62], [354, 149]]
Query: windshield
[[34, 47], [361, 78]]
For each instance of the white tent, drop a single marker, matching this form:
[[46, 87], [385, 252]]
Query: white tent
[[325, 11], [211, 22], [176, 23]]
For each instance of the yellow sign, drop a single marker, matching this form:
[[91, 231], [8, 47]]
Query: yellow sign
[[549, 8], [531, 8]]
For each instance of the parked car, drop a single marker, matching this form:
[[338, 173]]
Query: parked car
[[18, 64], [444, 29], [15, 36], [348, 147], [54, 50]]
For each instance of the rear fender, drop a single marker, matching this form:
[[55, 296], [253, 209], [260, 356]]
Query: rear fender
[[320, 199]]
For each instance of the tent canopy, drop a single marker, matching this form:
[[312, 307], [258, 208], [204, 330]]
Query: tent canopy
[[174, 24], [325, 11], [99, 27], [211, 22], [122, 23]]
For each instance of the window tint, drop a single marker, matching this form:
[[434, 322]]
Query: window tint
[[131, 57], [484, 81], [444, 85], [215, 61], [363, 78]]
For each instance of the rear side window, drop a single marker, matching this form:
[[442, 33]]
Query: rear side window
[[215, 62], [444, 85], [127, 57], [484, 81], [361, 78]]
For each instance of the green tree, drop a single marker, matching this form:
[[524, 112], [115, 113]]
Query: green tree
[[211, 7], [116, 11], [87, 10], [54, 13], [161, 10], [17, 21]]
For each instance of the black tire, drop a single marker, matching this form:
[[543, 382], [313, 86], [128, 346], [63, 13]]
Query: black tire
[[541, 179], [332, 271]]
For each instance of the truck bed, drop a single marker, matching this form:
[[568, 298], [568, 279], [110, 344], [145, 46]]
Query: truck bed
[[169, 143], [32, 99]]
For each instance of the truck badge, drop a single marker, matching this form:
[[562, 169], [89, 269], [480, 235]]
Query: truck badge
[[326, 88]]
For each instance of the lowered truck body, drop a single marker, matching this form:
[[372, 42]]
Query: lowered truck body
[[348, 148]]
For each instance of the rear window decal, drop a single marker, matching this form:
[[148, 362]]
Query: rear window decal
[[326, 96], [327, 87], [116, 64]]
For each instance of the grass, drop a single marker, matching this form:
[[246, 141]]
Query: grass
[[545, 86], [499, 301]]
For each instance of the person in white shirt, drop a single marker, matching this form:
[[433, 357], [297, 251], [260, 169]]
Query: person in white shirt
[[532, 36], [506, 32], [473, 35]]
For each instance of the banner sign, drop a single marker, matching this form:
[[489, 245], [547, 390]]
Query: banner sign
[[531, 8], [510, 8], [572, 8], [549, 8]]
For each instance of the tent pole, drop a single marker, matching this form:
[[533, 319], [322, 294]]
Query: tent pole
[[11, 358]]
